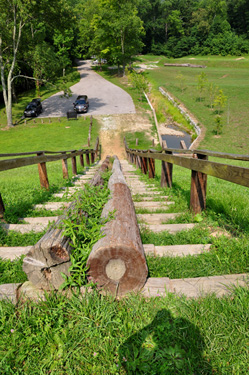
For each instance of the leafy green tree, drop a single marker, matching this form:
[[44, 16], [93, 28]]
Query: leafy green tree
[[117, 31], [182, 81], [45, 64], [220, 101], [212, 91], [139, 82], [24, 18], [63, 43], [201, 83]]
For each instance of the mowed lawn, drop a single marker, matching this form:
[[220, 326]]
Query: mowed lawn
[[230, 74], [20, 188]]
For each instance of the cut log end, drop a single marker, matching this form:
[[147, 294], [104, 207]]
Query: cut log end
[[118, 270]]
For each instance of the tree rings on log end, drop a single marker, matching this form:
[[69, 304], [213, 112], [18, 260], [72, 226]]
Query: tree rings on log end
[[118, 270]]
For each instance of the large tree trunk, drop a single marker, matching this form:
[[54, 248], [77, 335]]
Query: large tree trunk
[[117, 262], [51, 255]]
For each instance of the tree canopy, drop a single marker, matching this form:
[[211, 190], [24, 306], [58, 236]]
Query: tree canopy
[[40, 40]]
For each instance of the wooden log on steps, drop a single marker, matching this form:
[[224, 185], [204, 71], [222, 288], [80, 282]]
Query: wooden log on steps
[[50, 257], [117, 262]]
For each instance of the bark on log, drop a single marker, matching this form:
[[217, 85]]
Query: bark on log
[[117, 262], [51, 255]]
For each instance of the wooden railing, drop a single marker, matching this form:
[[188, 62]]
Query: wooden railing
[[197, 162], [43, 157]]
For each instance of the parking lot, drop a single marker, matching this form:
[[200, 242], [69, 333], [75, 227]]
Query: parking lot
[[104, 97]]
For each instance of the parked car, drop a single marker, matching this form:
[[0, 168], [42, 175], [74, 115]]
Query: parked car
[[33, 109], [81, 104]]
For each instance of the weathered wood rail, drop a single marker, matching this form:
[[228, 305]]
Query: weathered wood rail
[[43, 157], [195, 160]]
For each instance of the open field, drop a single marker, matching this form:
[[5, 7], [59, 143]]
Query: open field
[[227, 73]]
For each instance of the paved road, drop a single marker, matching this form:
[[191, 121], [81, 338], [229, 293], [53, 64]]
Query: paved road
[[104, 97]]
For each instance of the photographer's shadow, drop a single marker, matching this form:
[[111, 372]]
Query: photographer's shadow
[[167, 346]]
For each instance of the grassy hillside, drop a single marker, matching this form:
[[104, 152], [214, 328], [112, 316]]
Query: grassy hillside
[[229, 74]]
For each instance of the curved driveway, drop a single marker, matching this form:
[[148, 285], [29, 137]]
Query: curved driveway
[[105, 98]]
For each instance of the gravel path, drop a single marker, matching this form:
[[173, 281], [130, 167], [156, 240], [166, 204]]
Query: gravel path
[[105, 98]]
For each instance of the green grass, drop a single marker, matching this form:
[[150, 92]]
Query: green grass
[[11, 272], [98, 335], [230, 75]]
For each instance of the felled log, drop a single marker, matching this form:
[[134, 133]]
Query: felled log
[[50, 256], [186, 65], [117, 262]]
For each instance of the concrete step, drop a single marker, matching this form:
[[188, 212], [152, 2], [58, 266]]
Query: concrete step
[[171, 228], [52, 206], [176, 250], [156, 218], [157, 198], [145, 192], [152, 205], [35, 224], [62, 195], [194, 287], [40, 220], [12, 253], [24, 228]]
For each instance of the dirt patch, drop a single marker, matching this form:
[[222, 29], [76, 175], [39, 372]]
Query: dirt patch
[[114, 127]]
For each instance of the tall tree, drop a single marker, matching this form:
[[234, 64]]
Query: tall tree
[[18, 16]]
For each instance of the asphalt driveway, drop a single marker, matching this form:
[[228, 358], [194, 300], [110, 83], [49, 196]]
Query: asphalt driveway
[[104, 97]]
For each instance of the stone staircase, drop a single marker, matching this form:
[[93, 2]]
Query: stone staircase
[[145, 197]]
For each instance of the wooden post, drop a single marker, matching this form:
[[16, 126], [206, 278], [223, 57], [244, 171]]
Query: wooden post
[[144, 165], [198, 189], [42, 169], [64, 167], [137, 161], [2, 208], [87, 158], [82, 160], [74, 165], [167, 170], [151, 168], [183, 144], [88, 141], [153, 142], [92, 157], [136, 141]]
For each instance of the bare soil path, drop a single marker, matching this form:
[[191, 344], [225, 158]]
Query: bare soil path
[[113, 129]]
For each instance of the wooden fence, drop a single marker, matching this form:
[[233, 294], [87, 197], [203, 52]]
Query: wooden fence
[[197, 162], [43, 157]]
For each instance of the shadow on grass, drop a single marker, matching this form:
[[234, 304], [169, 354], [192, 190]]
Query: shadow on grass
[[167, 345]]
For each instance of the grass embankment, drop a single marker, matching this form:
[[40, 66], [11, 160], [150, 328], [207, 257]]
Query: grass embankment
[[229, 74]]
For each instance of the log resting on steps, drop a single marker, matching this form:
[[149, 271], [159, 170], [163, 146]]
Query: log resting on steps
[[117, 262], [51, 255]]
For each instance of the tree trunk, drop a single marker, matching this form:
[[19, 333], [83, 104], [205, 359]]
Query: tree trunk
[[51, 255], [117, 262]]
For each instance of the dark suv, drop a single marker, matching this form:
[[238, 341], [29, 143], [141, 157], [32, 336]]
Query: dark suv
[[33, 109], [81, 104]]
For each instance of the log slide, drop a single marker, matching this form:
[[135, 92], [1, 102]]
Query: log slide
[[117, 262], [51, 254]]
